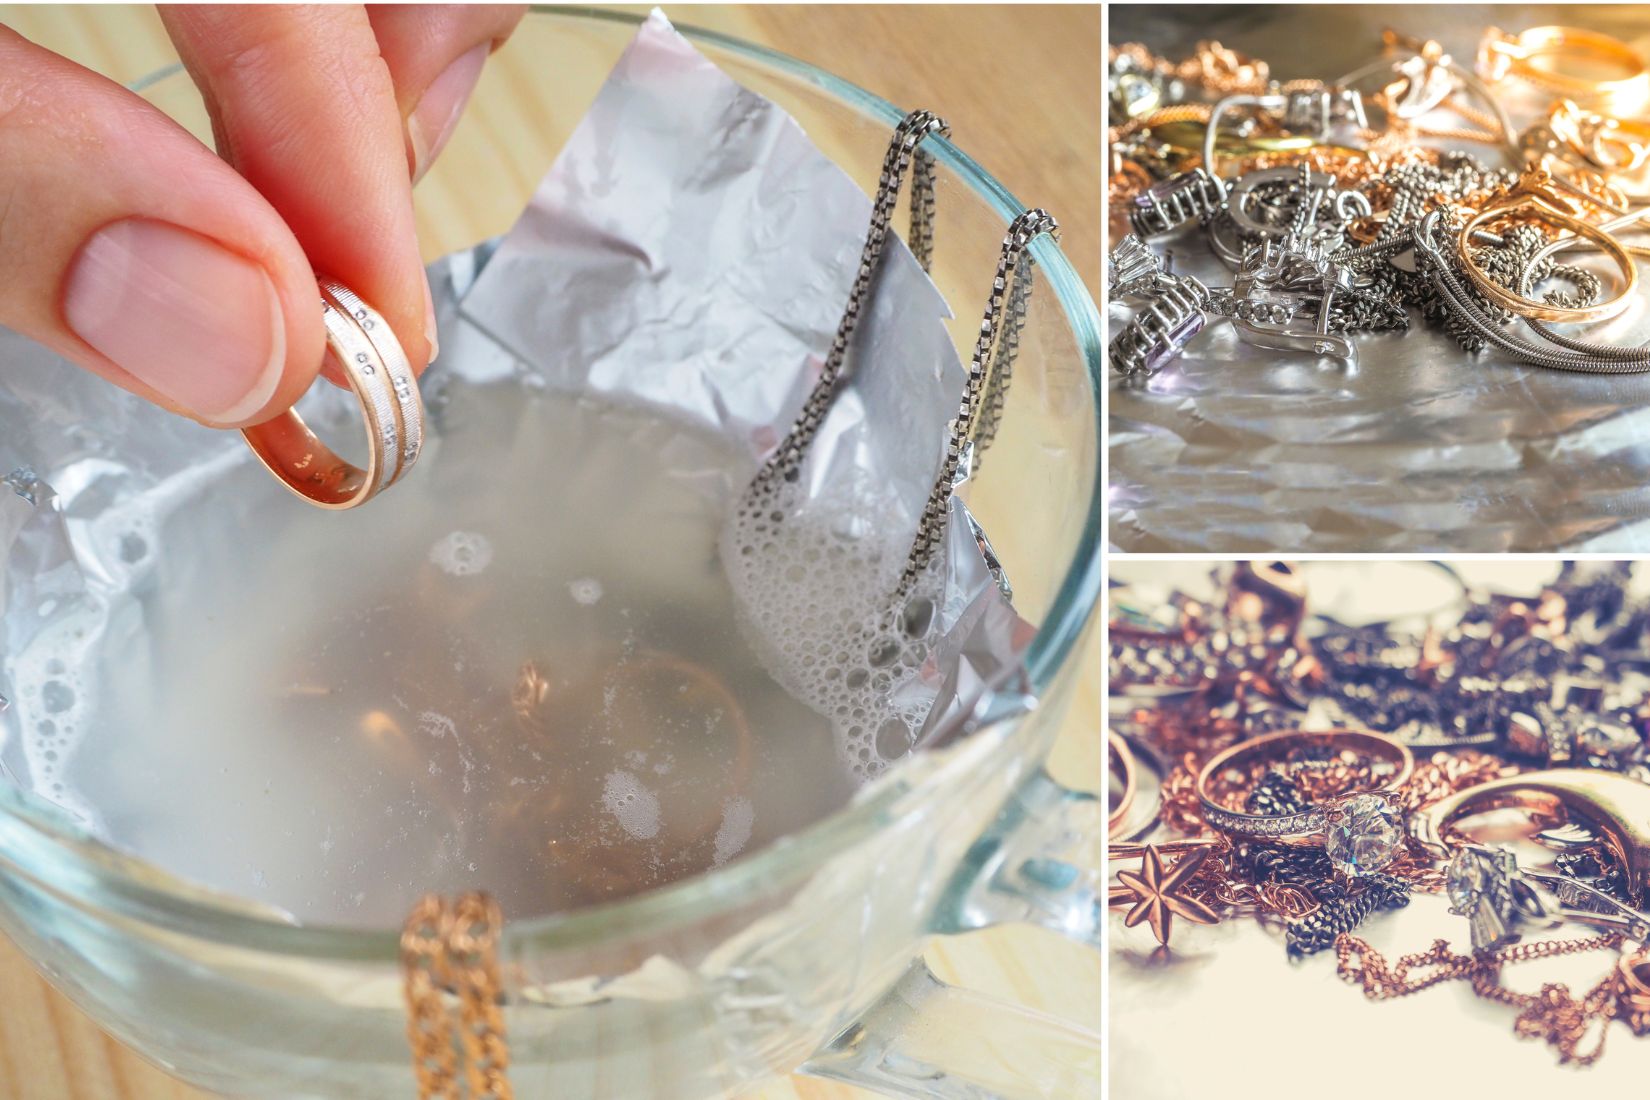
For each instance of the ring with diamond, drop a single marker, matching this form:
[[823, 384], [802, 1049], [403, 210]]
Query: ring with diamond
[[1614, 808], [1488, 887], [381, 378], [1361, 831]]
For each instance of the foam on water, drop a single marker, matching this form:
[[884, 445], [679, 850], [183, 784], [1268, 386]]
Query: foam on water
[[326, 712], [731, 836], [815, 580], [56, 697], [462, 553], [634, 806]]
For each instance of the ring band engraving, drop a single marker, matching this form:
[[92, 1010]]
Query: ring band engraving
[[392, 411]]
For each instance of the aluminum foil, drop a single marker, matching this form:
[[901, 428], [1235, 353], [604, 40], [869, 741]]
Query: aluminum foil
[[1420, 446], [689, 252]]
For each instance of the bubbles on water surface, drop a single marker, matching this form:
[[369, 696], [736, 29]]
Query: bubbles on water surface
[[635, 807], [637, 786], [817, 582], [585, 591], [462, 553], [56, 696], [133, 548], [738, 816]]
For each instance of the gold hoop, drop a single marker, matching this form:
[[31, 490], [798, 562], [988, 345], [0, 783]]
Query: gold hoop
[[1121, 760], [1603, 142]]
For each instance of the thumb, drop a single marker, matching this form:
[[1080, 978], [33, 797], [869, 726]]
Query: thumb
[[133, 251]]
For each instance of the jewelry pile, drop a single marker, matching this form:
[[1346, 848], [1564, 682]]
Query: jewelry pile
[[1269, 761], [1343, 208]]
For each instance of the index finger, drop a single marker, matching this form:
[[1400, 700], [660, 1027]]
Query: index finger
[[304, 107]]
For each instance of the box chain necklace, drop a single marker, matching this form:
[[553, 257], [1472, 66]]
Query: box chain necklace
[[449, 948]]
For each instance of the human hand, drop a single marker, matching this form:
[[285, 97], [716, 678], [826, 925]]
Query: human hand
[[129, 248]]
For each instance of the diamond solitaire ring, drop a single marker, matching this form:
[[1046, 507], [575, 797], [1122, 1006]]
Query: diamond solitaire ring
[[1487, 886], [1361, 831]]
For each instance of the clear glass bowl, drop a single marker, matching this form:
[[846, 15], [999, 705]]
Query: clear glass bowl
[[719, 981]]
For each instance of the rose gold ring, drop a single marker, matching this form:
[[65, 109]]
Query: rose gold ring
[[1134, 849], [1123, 769], [1635, 989], [1614, 808], [381, 378], [1308, 826]]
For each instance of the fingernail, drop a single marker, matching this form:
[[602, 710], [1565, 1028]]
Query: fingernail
[[429, 322], [432, 121], [182, 314]]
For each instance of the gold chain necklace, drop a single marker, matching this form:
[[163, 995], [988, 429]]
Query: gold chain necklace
[[454, 946]]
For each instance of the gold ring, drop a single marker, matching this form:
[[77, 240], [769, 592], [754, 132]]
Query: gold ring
[[1307, 826], [1532, 198], [381, 378], [1603, 142], [1123, 769], [1615, 807], [1501, 55]]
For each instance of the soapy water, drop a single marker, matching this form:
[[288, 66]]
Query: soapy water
[[816, 581], [737, 818], [634, 806], [573, 686], [462, 553]]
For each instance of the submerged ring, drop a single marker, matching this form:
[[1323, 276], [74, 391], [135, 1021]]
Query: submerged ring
[[381, 378]]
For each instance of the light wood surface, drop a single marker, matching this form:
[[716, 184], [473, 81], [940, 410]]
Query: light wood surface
[[1024, 83]]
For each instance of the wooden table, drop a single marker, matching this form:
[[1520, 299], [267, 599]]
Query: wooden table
[[1024, 83]]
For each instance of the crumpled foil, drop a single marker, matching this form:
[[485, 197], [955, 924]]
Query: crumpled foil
[[1420, 446], [690, 252]]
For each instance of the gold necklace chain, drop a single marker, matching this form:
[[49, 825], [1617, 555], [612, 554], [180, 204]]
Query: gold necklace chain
[[1553, 1014], [454, 946]]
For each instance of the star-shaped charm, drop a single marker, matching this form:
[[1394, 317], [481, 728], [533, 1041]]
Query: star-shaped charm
[[1158, 895]]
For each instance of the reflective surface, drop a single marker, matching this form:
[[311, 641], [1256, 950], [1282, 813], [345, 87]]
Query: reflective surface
[[1420, 445], [691, 990]]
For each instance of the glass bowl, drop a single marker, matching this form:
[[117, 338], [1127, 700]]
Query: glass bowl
[[803, 950]]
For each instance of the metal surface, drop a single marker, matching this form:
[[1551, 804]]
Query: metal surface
[[1418, 446]]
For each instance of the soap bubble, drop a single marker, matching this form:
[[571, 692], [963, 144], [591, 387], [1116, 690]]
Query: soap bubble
[[815, 580], [635, 807], [56, 696], [462, 553], [585, 591]]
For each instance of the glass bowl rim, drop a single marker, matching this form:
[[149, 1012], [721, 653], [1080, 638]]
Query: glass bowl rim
[[102, 879]]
